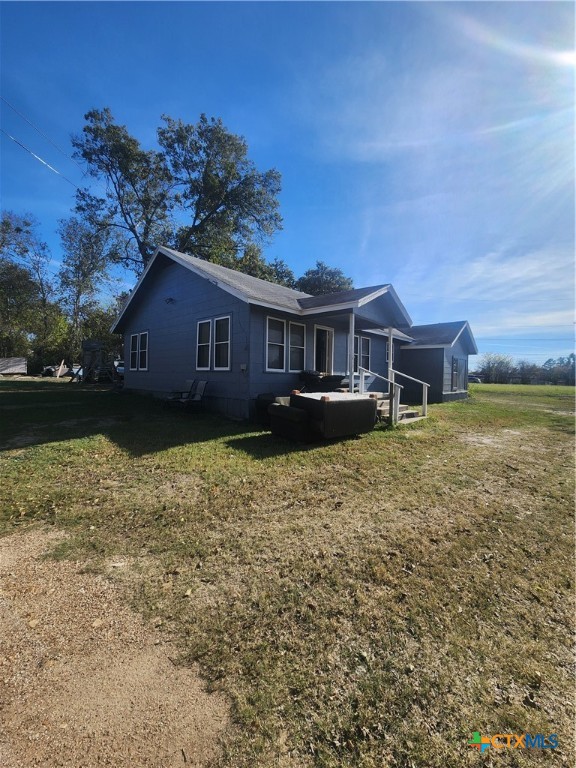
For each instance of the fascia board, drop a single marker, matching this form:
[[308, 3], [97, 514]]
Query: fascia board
[[401, 306], [465, 327], [135, 290], [381, 332], [380, 292], [214, 280], [372, 296], [472, 339], [425, 346], [328, 308]]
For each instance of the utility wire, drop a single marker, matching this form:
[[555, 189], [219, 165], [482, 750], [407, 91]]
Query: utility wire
[[42, 134], [54, 170]]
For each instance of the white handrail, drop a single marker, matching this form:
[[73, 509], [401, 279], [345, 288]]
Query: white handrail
[[418, 381], [363, 371], [395, 399], [425, 388], [394, 392]]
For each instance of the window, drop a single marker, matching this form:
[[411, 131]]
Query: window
[[203, 339], [222, 344], [143, 352], [387, 351], [134, 352], [459, 373], [139, 351], [362, 346], [275, 344], [297, 347]]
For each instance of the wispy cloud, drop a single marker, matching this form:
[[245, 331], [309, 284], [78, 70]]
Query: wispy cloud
[[499, 292]]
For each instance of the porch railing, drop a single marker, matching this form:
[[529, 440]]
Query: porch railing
[[425, 388], [395, 390]]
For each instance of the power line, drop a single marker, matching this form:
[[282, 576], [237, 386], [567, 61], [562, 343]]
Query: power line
[[34, 155], [42, 133]]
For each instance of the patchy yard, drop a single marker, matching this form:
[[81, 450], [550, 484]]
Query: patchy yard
[[369, 602]]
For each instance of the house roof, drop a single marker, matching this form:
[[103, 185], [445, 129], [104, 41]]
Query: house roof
[[246, 287], [341, 297], [264, 293], [441, 335]]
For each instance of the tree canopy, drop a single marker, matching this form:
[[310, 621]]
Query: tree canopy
[[200, 194], [323, 279]]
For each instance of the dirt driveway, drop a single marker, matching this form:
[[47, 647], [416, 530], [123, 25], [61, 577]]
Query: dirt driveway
[[83, 681]]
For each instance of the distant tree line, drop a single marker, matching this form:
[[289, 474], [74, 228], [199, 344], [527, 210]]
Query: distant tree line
[[198, 193], [501, 369]]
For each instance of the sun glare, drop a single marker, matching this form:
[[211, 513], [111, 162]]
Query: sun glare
[[493, 39]]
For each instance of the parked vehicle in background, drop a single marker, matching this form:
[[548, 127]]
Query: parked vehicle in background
[[474, 379]]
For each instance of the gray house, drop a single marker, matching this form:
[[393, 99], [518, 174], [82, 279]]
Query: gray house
[[190, 319]]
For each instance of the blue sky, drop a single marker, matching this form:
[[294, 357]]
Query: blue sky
[[425, 144]]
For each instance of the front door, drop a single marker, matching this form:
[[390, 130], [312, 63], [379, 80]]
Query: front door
[[323, 349]]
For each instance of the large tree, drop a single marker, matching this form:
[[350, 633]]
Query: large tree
[[200, 193], [495, 368], [323, 279], [31, 321], [84, 271], [18, 302]]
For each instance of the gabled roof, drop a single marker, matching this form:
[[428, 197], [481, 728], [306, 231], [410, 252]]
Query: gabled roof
[[245, 287], [343, 297], [253, 290], [441, 335]]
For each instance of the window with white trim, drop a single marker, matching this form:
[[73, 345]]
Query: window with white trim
[[387, 351], [222, 343], [139, 351], [362, 348], [297, 354], [275, 344], [203, 341]]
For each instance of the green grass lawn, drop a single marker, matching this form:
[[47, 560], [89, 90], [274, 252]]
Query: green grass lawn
[[368, 602]]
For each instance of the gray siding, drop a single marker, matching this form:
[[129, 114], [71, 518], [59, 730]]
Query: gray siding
[[279, 382], [172, 300], [457, 350], [172, 329], [426, 365]]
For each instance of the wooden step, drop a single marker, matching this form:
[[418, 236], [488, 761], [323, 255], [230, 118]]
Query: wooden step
[[384, 407], [411, 420]]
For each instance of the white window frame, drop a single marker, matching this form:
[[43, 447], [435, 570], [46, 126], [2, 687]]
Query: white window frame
[[283, 345], [133, 351], [296, 346], [140, 351], [387, 351], [358, 352], [330, 351], [137, 350], [204, 344], [228, 342]]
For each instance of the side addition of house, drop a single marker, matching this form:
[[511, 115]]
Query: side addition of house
[[190, 319]]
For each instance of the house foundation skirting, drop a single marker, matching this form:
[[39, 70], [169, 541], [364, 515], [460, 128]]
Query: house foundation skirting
[[448, 397]]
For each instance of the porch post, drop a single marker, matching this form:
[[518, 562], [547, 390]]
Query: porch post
[[351, 352], [392, 415]]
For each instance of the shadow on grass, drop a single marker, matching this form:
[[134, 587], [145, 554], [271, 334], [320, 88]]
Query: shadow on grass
[[43, 412]]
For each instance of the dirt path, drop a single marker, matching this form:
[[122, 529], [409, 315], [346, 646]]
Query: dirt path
[[83, 681]]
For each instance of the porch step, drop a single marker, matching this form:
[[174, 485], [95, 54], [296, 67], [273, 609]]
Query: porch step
[[405, 413], [411, 420], [384, 408]]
